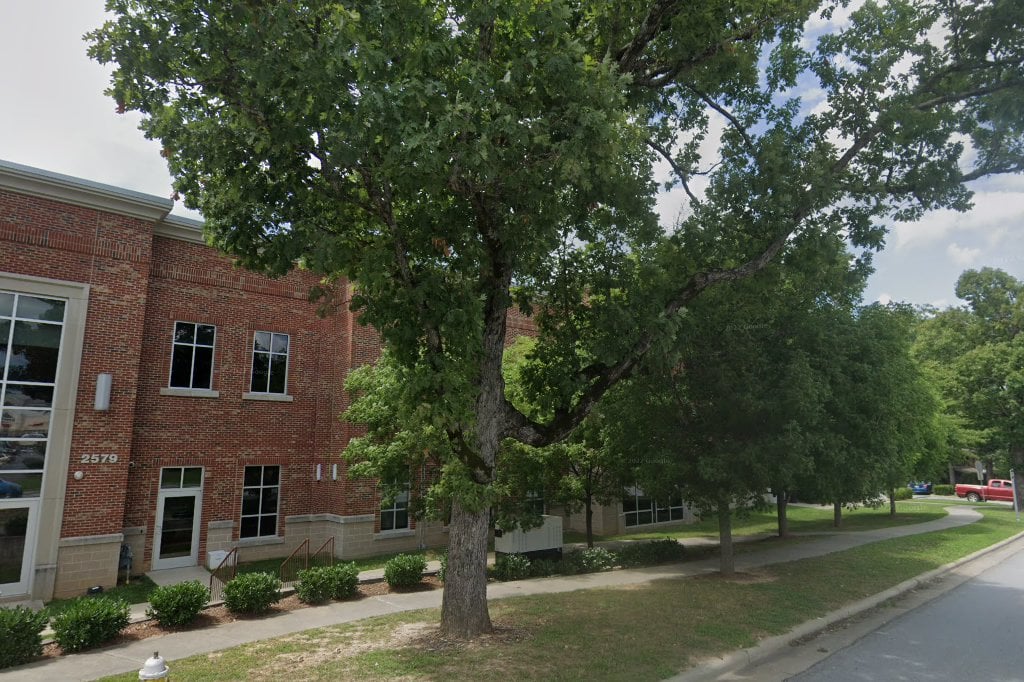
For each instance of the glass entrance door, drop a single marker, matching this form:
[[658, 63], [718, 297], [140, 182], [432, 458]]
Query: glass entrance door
[[176, 541], [17, 531]]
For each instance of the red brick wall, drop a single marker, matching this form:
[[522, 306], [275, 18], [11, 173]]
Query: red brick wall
[[111, 253]]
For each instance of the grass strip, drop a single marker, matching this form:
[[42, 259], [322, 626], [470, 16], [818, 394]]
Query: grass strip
[[644, 632]]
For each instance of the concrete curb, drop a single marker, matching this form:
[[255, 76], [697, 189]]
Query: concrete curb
[[770, 646]]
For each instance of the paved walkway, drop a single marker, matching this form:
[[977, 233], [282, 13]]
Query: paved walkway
[[130, 657]]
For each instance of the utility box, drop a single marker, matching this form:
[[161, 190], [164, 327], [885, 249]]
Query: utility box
[[545, 541]]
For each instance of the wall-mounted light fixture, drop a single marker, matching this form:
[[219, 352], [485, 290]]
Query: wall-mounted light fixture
[[104, 382], [334, 472], [319, 471]]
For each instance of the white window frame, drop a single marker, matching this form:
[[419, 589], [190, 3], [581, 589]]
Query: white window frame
[[399, 504], [271, 354], [259, 515], [193, 345], [679, 510]]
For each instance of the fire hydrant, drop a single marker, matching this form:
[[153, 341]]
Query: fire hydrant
[[155, 668]]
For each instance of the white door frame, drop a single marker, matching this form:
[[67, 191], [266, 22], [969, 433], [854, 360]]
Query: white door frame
[[24, 586], [193, 558]]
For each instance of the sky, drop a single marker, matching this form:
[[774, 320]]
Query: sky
[[54, 116]]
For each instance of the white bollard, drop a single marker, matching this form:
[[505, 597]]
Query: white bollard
[[155, 668]]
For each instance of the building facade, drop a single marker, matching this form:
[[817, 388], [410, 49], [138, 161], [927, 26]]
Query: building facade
[[154, 395]]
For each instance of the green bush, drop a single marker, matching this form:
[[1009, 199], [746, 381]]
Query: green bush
[[903, 494], [511, 567], [252, 593], [89, 622], [20, 635], [592, 560], [175, 605], [943, 489], [314, 585], [650, 553], [542, 568], [344, 578], [404, 570]]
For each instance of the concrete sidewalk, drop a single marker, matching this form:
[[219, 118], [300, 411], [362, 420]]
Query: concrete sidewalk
[[130, 657]]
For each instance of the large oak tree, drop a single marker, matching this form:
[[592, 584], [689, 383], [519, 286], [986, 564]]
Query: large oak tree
[[454, 159]]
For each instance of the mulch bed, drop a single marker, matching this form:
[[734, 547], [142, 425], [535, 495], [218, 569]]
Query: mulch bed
[[213, 616]]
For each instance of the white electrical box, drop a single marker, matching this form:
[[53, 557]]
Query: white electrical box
[[546, 538]]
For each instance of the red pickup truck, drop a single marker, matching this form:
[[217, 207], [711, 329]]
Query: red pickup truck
[[996, 489]]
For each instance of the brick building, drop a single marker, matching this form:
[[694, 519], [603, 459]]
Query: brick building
[[152, 394]]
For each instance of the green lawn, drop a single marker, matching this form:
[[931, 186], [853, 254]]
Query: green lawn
[[135, 592], [641, 632], [801, 520], [365, 564]]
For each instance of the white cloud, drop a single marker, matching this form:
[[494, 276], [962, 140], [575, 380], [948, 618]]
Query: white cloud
[[884, 299], [994, 215], [962, 255]]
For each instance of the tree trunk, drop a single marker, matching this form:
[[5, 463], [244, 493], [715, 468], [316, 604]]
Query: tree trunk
[[590, 521], [837, 514], [464, 612], [1017, 458], [892, 502], [781, 501], [952, 474], [727, 564], [464, 602]]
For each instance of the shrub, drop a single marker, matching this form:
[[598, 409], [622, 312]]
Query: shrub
[[314, 585], [174, 605], [542, 568], [903, 494], [252, 593], [89, 622], [20, 635], [592, 560], [650, 553], [404, 570], [343, 579], [511, 567], [943, 489]]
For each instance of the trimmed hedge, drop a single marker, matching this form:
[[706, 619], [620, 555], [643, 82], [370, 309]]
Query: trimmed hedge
[[176, 605], [943, 489], [344, 579], [404, 570], [590, 560], [511, 567], [904, 494], [20, 635], [650, 553], [89, 622], [252, 593]]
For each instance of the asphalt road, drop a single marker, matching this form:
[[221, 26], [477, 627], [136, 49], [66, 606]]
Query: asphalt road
[[972, 632]]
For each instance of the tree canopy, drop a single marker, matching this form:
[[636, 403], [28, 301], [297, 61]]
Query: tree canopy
[[454, 159]]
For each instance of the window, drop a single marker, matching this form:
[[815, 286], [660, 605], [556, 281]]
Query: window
[[395, 516], [269, 363], [535, 502], [192, 355], [260, 490], [31, 329], [640, 510]]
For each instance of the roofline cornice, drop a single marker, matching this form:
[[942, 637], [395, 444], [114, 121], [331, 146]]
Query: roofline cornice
[[36, 182], [184, 229]]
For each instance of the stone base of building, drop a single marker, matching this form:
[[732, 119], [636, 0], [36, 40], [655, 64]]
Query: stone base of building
[[84, 562]]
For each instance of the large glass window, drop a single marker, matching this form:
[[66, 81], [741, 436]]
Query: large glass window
[[260, 493], [640, 510], [192, 355], [394, 514], [269, 363], [31, 328]]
